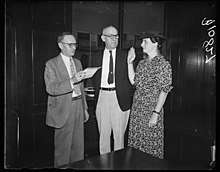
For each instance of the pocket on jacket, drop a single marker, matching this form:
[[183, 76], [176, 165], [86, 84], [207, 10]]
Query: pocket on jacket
[[52, 102]]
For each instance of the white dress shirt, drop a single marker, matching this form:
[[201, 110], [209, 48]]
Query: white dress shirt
[[105, 68], [67, 64]]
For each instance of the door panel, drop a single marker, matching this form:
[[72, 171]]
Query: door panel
[[44, 32], [44, 48], [31, 34], [190, 108]]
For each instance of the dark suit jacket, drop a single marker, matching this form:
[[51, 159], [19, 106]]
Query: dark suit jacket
[[60, 91], [122, 83]]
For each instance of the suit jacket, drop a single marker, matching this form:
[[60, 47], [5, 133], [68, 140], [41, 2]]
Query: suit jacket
[[122, 83], [60, 91]]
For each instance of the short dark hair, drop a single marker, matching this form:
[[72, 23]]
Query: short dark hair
[[159, 41], [62, 35]]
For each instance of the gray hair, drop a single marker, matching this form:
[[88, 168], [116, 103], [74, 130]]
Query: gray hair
[[104, 29], [62, 35]]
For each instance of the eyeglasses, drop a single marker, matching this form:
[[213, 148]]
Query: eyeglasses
[[71, 44], [112, 36]]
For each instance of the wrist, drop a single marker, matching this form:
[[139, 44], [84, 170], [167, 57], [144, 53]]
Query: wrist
[[74, 80], [158, 113]]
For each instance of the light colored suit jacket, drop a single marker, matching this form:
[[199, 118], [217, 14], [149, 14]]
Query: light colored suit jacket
[[60, 91]]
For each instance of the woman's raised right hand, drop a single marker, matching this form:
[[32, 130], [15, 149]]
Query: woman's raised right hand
[[131, 55]]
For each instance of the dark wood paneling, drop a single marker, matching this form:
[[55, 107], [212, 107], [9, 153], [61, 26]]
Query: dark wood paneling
[[21, 65], [187, 149], [192, 80], [49, 19], [11, 139], [11, 150], [189, 123], [44, 48], [172, 148], [48, 12], [44, 136], [32, 29], [93, 16], [195, 151]]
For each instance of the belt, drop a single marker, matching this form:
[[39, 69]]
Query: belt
[[108, 89], [76, 98]]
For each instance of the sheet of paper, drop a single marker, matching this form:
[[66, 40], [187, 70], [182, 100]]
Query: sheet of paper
[[90, 71]]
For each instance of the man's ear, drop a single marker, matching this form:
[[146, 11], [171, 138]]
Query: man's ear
[[103, 38], [60, 45]]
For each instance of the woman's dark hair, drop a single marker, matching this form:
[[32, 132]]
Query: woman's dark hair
[[159, 41]]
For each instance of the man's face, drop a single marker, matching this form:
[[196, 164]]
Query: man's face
[[110, 37], [68, 45]]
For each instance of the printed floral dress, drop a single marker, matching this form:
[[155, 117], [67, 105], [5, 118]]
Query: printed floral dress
[[150, 78]]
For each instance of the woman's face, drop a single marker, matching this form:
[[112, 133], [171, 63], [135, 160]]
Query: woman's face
[[148, 46]]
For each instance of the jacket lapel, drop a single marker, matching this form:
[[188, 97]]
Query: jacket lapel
[[100, 60], [118, 62], [76, 65], [62, 67]]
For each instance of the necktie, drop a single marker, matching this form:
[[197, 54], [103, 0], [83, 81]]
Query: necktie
[[110, 74], [76, 87]]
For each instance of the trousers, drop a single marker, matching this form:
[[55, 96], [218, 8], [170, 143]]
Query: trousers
[[69, 140], [110, 118]]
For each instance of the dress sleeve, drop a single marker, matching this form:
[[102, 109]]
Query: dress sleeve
[[166, 77]]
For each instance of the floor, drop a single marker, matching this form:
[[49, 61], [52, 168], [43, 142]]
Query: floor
[[47, 162]]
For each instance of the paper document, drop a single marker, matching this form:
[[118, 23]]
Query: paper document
[[90, 71]]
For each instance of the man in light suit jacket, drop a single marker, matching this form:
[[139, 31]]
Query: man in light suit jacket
[[66, 106], [112, 98]]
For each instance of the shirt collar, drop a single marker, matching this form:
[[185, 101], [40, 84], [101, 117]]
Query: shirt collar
[[113, 51], [65, 57]]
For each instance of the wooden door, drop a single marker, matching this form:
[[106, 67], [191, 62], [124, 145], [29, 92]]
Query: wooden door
[[190, 108], [31, 31]]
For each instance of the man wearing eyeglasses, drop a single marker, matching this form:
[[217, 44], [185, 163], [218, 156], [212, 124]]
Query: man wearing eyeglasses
[[112, 91], [66, 106]]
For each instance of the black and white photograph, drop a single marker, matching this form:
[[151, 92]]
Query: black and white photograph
[[110, 85]]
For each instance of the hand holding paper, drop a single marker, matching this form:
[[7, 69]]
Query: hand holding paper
[[78, 77], [90, 71]]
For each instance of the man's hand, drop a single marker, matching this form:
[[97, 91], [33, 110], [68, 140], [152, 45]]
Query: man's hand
[[78, 77]]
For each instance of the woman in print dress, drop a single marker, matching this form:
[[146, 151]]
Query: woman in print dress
[[152, 79]]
